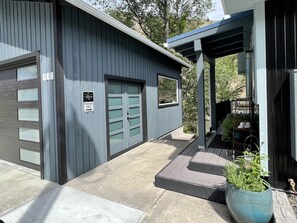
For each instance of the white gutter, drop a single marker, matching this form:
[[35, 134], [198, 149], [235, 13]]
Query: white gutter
[[118, 25]]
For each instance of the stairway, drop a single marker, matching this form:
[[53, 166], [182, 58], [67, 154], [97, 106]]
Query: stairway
[[197, 173]]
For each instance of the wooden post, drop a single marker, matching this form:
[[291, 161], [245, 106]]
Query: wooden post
[[200, 96], [212, 94]]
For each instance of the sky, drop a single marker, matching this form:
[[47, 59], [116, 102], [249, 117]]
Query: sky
[[218, 14]]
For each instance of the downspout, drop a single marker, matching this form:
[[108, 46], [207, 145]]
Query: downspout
[[261, 76], [60, 102]]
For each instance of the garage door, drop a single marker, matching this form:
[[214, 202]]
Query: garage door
[[20, 116]]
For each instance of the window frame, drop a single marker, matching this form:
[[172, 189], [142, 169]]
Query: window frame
[[171, 104]]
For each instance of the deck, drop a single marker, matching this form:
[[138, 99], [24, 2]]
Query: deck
[[196, 172]]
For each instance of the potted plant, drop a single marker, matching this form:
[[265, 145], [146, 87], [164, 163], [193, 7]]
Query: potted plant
[[248, 195]]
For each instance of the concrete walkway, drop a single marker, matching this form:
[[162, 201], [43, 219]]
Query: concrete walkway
[[125, 183]]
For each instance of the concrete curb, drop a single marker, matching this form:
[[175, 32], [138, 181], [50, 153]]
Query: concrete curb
[[282, 210]]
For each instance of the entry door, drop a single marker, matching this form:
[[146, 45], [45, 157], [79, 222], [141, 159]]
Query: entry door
[[19, 116], [125, 116]]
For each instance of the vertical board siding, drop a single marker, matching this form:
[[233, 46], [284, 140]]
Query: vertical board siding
[[281, 37], [91, 50], [27, 27]]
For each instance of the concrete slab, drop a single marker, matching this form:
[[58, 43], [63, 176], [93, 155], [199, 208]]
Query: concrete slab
[[174, 207], [20, 185], [129, 179], [66, 204]]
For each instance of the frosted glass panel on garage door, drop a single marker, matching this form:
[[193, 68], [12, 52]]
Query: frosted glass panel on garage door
[[28, 94], [28, 114], [28, 134], [27, 73], [30, 156]]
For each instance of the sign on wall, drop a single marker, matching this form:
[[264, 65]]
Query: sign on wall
[[88, 100]]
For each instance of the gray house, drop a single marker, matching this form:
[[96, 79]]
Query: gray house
[[264, 32], [78, 88]]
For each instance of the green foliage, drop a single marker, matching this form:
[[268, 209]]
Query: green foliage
[[227, 126], [128, 21], [189, 89], [245, 172], [229, 85], [231, 121], [159, 19]]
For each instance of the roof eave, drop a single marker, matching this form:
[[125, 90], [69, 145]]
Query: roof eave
[[118, 25], [234, 6], [214, 28]]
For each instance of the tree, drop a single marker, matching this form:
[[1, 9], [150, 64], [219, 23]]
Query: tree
[[189, 89], [159, 19], [229, 85]]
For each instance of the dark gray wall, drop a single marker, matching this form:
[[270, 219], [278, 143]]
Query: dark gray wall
[[92, 49], [27, 27], [281, 51]]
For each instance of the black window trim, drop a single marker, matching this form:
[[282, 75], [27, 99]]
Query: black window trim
[[160, 106]]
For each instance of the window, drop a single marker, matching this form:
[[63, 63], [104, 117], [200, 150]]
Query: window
[[28, 94], [30, 156], [27, 73], [167, 91]]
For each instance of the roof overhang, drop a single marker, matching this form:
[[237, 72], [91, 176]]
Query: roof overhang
[[118, 25], [219, 39], [234, 6]]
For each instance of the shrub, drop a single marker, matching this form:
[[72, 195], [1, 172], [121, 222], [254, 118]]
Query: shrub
[[232, 121], [245, 172]]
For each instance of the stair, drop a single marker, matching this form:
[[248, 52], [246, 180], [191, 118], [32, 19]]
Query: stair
[[196, 173], [210, 161]]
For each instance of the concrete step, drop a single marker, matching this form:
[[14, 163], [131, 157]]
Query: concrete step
[[211, 161], [177, 177]]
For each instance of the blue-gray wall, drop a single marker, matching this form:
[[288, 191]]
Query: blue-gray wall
[[27, 27], [92, 49]]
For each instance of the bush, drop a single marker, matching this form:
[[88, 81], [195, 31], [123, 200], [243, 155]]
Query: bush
[[246, 172], [232, 121]]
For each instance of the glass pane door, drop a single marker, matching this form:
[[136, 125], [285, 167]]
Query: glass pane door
[[125, 116], [116, 117]]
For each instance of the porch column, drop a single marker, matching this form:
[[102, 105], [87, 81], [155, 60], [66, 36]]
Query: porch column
[[200, 96], [212, 94], [248, 75]]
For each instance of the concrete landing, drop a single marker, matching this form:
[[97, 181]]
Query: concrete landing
[[66, 204]]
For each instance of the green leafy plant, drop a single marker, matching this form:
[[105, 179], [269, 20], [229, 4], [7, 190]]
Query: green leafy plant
[[231, 121], [227, 126], [246, 172]]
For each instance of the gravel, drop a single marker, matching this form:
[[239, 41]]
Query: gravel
[[293, 201]]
